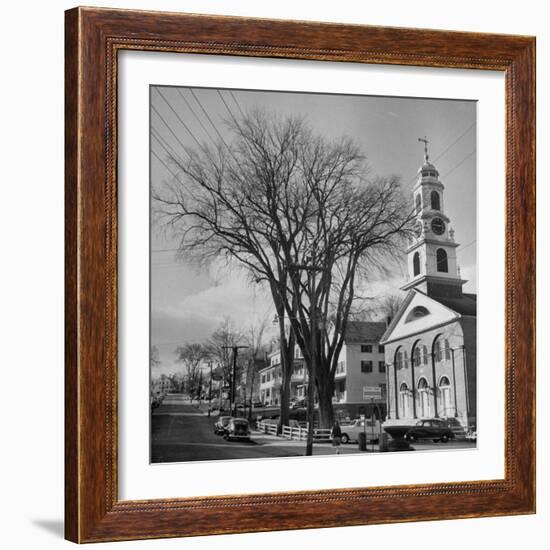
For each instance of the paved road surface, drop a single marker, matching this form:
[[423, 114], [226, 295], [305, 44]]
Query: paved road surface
[[182, 432]]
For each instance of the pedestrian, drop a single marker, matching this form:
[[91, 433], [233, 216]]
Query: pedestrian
[[336, 435]]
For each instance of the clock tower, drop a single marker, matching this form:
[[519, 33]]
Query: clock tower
[[431, 254]]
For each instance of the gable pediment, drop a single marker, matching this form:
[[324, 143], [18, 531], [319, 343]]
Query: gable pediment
[[419, 313]]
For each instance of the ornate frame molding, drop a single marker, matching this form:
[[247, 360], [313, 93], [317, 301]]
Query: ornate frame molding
[[93, 39]]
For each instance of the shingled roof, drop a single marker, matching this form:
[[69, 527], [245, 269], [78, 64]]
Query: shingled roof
[[358, 332]]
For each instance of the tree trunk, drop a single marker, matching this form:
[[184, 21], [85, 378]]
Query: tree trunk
[[325, 391], [287, 355]]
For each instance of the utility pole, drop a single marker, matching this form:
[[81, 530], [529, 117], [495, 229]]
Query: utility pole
[[232, 404]]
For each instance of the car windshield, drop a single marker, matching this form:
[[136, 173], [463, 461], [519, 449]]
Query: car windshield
[[240, 422], [225, 420]]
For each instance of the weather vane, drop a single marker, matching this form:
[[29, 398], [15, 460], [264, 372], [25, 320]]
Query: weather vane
[[425, 141]]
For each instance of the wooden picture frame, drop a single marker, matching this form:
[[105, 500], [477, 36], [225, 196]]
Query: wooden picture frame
[[93, 511]]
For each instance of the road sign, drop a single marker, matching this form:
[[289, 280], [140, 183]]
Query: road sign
[[372, 392]]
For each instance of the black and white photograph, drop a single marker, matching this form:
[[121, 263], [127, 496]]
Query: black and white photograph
[[313, 274]]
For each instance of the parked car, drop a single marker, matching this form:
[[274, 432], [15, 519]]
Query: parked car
[[350, 432], [433, 428], [220, 426], [237, 429], [155, 402]]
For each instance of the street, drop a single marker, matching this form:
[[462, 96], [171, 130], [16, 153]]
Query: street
[[182, 432]]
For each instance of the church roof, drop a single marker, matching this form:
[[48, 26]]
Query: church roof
[[464, 305], [364, 331]]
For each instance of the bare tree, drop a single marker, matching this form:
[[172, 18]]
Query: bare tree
[[155, 357], [191, 356], [225, 336], [388, 305], [301, 214]]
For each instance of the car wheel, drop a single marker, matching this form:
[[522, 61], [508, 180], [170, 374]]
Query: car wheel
[[435, 440], [444, 438], [345, 438]]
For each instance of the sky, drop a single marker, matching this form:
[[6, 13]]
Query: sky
[[186, 304]]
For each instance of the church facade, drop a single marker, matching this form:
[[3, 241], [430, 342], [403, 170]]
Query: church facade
[[430, 344]]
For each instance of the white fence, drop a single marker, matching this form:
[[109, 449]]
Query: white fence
[[293, 432]]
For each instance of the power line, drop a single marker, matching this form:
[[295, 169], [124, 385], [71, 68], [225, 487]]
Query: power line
[[466, 245], [447, 149], [227, 107], [163, 163], [237, 103], [455, 141], [158, 136], [208, 117], [169, 128], [459, 164], [196, 116], [178, 117]]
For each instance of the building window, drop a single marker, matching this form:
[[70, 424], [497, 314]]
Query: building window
[[418, 203], [383, 391], [434, 199], [416, 264], [442, 263], [263, 378], [366, 349], [380, 349], [442, 349], [401, 359], [381, 366], [341, 367], [366, 366]]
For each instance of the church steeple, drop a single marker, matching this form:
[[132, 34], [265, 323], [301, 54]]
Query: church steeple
[[431, 254]]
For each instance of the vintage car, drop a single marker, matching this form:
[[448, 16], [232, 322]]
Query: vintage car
[[221, 425], [237, 429], [350, 432], [433, 428]]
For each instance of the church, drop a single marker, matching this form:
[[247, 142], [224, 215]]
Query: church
[[430, 344]]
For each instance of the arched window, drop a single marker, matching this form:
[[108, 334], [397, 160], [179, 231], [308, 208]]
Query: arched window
[[434, 199], [438, 349], [423, 390], [404, 400], [417, 313], [441, 349], [442, 263], [418, 203], [401, 358], [416, 264], [425, 355], [417, 356], [447, 348], [446, 406]]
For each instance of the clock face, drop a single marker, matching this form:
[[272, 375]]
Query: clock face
[[418, 229], [438, 226]]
